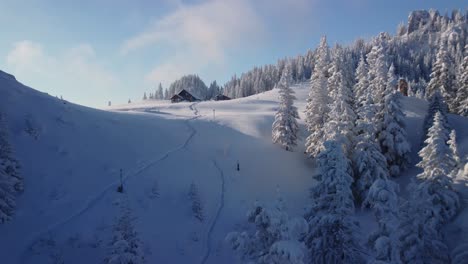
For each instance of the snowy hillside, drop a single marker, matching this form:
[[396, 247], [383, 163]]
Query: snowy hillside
[[71, 156], [71, 164]]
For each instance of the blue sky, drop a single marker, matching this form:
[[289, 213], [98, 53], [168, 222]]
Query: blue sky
[[91, 52]]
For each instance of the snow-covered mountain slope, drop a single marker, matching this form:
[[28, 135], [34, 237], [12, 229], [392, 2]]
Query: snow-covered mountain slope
[[71, 157]]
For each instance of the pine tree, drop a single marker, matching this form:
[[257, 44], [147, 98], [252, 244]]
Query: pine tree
[[285, 127], [455, 157], [392, 137], [144, 96], [362, 82], [442, 76], [332, 235], [383, 199], [336, 72], [461, 100], [317, 104], [341, 118], [435, 189], [369, 163], [160, 93], [378, 68], [418, 242], [436, 104], [433, 201]]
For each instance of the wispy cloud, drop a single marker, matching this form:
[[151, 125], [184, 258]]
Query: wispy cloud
[[204, 34], [199, 35], [77, 69]]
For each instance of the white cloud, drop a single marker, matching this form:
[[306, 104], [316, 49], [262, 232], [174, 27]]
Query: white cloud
[[27, 56], [203, 35], [76, 73], [200, 36]]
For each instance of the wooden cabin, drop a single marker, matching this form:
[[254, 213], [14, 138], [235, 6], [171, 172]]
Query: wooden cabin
[[183, 96], [221, 97]]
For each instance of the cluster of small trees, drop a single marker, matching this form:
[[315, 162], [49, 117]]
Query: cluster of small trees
[[158, 94], [11, 182]]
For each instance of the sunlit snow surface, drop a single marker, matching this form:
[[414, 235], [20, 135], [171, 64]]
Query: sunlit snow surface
[[71, 166]]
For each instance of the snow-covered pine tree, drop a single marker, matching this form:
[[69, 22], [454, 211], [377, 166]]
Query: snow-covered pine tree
[[392, 137], [336, 66], [317, 104], [461, 100], [332, 236], [372, 184], [436, 104], [362, 83], [417, 242], [378, 69], [285, 127], [341, 118], [144, 96], [276, 238], [368, 161], [160, 93], [432, 204], [456, 163], [440, 201], [11, 182], [383, 199], [125, 247], [442, 76], [197, 206]]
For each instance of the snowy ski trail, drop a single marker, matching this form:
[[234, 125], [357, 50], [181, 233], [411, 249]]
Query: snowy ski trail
[[99, 196], [214, 221], [194, 109], [218, 213]]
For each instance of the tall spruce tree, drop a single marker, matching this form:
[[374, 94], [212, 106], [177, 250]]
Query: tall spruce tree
[[392, 136], [285, 127], [317, 104], [368, 161], [332, 236], [461, 100], [362, 82], [441, 202], [442, 76], [341, 118], [433, 201]]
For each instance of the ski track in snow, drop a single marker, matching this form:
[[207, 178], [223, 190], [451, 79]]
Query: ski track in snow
[[98, 197], [208, 246], [218, 213]]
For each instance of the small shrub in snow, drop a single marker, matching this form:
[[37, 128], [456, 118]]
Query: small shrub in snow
[[125, 247], [276, 238], [197, 206]]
